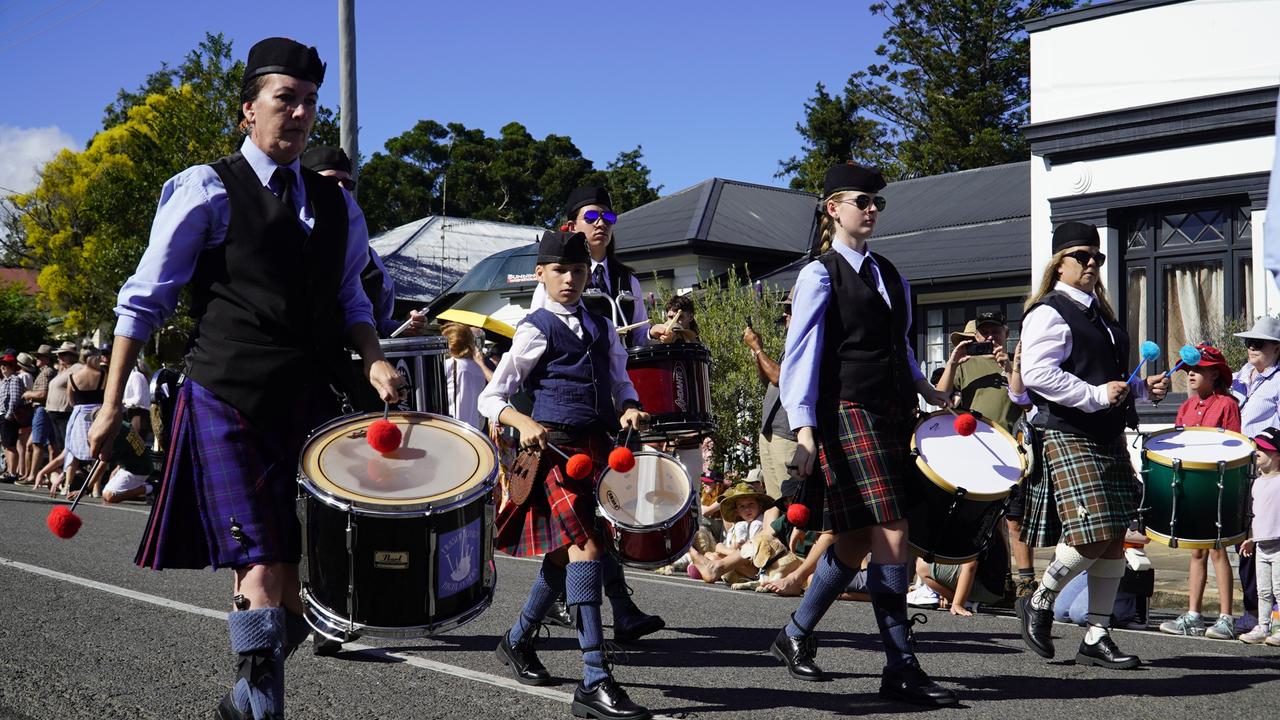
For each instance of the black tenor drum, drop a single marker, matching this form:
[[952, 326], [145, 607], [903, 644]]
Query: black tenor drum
[[673, 382], [421, 361], [397, 545]]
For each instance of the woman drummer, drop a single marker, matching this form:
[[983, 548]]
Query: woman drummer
[[1075, 359], [849, 383]]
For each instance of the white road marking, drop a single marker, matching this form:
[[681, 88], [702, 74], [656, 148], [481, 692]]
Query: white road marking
[[83, 503], [414, 660]]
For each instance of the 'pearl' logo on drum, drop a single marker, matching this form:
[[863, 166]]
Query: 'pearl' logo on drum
[[680, 389], [388, 560]]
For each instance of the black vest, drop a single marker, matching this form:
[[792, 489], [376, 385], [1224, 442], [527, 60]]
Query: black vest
[[1096, 359], [371, 280], [266, 299], [864, 356]]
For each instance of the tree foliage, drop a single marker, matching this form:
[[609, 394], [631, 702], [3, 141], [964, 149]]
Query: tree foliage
[[22, 325], [950, 93], [462, 172]]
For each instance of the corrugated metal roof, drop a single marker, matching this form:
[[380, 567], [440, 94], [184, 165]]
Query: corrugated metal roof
[[720, 211], [426, 256], [968, 197]]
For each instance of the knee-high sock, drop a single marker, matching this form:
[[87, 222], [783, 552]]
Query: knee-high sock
[[1104, 581], [615, 588], [888, 587], [547, 586], [1067, 563], [830, 578], [258, 636], [583, 592]]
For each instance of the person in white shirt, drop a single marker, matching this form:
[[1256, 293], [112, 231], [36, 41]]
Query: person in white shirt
[[1075, 358], [464, 377]]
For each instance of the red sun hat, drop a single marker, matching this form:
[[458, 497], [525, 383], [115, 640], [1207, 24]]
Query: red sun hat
[[1212, 357]]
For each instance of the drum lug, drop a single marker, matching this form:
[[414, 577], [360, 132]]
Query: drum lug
[[351, 572], [300, 507], [1222, 479]]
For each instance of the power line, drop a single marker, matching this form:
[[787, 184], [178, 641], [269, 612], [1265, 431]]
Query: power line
[[57, 23]]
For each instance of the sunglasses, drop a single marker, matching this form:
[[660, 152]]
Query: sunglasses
[[863, 201], [1084, 256], [1255, 344], [348, 183], [591, 216]]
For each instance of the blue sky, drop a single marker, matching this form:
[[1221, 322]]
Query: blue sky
[[707, 88]]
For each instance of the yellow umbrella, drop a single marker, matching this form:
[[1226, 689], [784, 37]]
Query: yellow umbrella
[[475, 319]]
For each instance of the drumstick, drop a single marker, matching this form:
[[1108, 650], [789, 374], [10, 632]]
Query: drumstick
[[405, 325], [628, 328]]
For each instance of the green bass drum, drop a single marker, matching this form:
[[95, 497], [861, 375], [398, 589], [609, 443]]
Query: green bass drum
[[1196, 487]]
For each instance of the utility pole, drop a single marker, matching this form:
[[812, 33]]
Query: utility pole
[[347, 89]]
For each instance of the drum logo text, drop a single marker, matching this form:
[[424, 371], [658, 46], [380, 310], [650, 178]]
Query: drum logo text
[[680, 389], [613, 500], [389, 560]]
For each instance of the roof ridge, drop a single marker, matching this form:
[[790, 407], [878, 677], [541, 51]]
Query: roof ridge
[[953, 173]]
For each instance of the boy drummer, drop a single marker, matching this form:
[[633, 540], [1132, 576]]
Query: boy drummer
[[573, 365]]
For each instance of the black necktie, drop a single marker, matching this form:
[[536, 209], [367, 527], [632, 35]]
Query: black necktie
[[597, 279], [282, 178]]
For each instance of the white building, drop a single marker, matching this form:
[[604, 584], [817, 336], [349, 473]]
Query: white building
[[1154, 119]]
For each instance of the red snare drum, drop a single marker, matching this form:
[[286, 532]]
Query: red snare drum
[[674, 385], [650, 513]]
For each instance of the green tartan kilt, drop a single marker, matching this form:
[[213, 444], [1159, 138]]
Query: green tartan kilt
[[1088, 493]]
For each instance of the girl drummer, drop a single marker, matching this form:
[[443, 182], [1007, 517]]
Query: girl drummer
[[848, 383], [1074, 361], [572, 364]]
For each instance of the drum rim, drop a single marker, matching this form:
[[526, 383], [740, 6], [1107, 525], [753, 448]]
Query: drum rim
[[366, 505], [668, 351], [942, 484], [664, 525], [334, 621], [1164, 539], [1166, 461], [400, 347], [940, 559]]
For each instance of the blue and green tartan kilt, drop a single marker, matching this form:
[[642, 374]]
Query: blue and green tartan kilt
[[1088, 492], [561, 511], [228, 497], [864, 457]]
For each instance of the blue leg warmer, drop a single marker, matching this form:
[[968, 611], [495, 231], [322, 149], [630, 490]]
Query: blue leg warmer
[[547, 586], [258, 636], [583, 592], [829, 580], [888, 587]]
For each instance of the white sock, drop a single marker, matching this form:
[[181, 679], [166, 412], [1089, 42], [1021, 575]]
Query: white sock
[[1104, 581], [1193, 614], [1067, 563], [1094, 634]]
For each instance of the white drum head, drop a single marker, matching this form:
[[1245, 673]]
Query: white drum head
[[986, 464], [653, 492], [438, 459], [1201, 445]]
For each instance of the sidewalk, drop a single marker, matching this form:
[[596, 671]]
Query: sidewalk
[[1170, 566]]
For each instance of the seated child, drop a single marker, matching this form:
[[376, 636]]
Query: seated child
[[740, 508], [966, 585]]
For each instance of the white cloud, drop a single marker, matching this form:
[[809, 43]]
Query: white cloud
[[23, 151]]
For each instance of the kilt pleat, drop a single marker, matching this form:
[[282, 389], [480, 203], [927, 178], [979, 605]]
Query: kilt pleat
[[863, 456], [1088, 492]]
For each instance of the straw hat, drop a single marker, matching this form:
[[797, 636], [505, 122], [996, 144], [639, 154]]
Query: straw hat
[[970, 333], [741, 491]]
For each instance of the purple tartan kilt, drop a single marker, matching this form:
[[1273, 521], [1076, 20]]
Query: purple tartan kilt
[[221, 471], [864, 457]]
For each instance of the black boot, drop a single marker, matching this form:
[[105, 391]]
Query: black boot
[[1036, 625], [606, 701], [523, 661], [910, 684], [798, 654], [1105, 654], [630, 623], [558, 615]]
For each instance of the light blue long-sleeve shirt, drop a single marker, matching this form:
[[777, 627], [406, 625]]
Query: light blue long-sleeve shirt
[[1271, 228], [1259, 396], [192, 217], [800, 363]]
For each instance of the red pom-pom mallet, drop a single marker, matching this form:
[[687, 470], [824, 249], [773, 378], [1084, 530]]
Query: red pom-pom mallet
[[966, 424], [576, 467], [798, 514], [63, 521], [622, 460], [383, 435]]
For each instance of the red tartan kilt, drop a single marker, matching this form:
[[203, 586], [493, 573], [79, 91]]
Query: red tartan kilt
[[560, 511], [864, 457]]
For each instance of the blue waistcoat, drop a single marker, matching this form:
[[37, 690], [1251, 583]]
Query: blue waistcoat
[[570, 384]]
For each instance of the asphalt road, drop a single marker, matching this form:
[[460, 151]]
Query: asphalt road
[[85, 634]]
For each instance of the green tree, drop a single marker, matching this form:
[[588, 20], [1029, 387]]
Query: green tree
[[950, 94], [461, 172], [22, 324], [835, 130], [723, 310]]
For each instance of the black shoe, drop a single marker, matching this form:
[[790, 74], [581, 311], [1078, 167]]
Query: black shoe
[[911, 685], [798, 654], [638, 628], [1105, 654], [1036, 626], [606, 701], [227, 710], [558, 615], [523, 661], [322, 646]]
